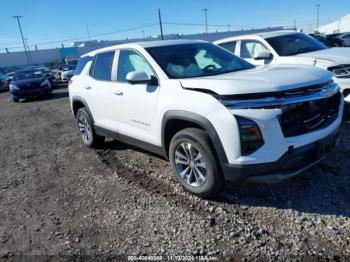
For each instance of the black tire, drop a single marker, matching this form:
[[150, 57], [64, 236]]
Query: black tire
[[200, 140], [94, 140], [15, 99]]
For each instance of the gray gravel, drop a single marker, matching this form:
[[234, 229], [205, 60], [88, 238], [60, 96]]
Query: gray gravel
[[59, 198]]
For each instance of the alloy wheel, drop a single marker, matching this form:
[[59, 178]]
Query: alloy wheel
[[190, 164], [84, 129]]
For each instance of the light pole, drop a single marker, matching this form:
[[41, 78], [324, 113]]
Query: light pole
[[318, 16], [143, 34], [20, 30], [206, 20]]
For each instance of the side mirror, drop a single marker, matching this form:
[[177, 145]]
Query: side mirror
[[138, 77], [263, 55]]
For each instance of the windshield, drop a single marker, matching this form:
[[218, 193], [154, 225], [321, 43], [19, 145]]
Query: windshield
[[27, 74], [195, 60], [294, 44]]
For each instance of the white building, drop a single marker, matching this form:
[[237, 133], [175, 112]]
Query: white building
[[341, 25]]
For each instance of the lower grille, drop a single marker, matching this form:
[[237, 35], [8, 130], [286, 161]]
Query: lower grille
[[301, 118]]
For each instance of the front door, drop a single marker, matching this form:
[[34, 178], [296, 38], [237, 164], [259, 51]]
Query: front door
[[250, 48], [135, 105]]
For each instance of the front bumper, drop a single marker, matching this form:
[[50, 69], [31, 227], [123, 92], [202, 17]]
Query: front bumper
[[292, 163], [344, 84], [23, 93]]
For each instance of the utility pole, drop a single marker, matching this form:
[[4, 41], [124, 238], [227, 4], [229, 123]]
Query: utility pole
[[318, 17], [160, 24], [295, 24], [206, 20], [28, 50], [88, 31], [20, 30], [228, 27]]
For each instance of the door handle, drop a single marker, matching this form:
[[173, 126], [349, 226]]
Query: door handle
[[88, 87], [119, 93]]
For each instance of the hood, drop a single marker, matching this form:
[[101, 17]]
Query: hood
[[337, 55], [27, 83], [271, 78]]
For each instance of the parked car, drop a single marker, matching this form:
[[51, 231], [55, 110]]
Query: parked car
[[338, 40], [8, 79], [29, 82], [321, 37], [67, 71], [290, 47], [212, 114], [2, 83], [47, 72]]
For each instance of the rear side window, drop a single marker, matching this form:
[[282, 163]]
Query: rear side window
[[230, 46], [101, 68], [81, 64]]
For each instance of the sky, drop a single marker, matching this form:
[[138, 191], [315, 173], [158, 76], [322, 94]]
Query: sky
[[47, 23]]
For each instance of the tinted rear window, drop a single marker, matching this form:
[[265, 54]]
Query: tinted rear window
[[81, 64], [102, 66]]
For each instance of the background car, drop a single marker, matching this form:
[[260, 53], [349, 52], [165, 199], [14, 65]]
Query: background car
[[67, 71], [7, 80], [30, 82], [338, 40], [2, 83], [290, 47]]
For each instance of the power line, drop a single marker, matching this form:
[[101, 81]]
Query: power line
[[92, 36]]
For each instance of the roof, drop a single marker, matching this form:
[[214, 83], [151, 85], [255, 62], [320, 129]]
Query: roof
[[276, 33], [263, 35], [144, 44]]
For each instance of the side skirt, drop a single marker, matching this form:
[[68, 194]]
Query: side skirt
[[158, 150]]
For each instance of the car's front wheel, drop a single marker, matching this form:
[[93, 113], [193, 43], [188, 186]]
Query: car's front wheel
[[86, 129], [193, 159], [15, 99]]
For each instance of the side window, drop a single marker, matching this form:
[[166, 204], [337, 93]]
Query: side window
[[230, 46], [101, 68], [81, 64], [250, 48], [346, 36], [130, 61]]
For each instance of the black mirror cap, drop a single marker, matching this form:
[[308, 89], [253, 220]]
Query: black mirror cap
[[153, 81]]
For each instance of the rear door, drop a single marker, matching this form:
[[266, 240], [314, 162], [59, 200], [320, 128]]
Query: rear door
[[98, 90], [230, 46]]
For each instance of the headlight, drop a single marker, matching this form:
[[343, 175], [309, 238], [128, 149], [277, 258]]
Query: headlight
[[251, 138], [45, 83], [341, 71], [13, 87]]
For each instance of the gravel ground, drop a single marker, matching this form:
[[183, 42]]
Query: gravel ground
[[58, 198]]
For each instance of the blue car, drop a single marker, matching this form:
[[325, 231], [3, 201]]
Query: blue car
[[27, 83]]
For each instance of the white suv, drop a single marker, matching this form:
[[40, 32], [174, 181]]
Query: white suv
[[290, 47], [212, 114]]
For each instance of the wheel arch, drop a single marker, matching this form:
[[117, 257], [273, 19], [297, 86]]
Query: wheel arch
[[79, 102], [175, 120]]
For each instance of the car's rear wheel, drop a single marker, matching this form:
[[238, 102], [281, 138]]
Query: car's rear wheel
[[15, 99], [86, 129], [193, 160]]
